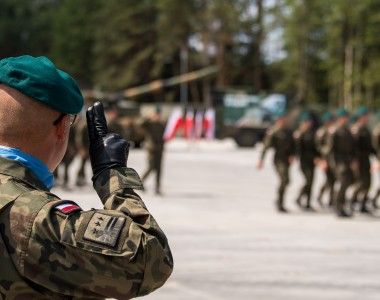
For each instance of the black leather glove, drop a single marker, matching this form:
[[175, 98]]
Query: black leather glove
[[107, 150]]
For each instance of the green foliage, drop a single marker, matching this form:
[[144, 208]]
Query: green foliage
[[331, 47], [125, 43]]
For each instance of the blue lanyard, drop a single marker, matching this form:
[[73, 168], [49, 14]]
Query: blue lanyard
[[38, 168]]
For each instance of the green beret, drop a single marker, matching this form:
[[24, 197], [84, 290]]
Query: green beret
[[327, 117], [280, 114], [361, 111], [354, 118], [305, 116], [38, 78], [341, 112]]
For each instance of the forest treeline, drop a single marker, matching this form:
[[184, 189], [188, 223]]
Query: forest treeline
[[314, 51]]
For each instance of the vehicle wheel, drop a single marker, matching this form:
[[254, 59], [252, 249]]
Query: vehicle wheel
[[246, 138]]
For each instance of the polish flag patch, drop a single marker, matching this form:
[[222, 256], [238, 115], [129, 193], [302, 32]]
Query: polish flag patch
[[68, 208]]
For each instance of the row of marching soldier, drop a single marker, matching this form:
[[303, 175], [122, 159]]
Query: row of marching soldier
[[342, 147]]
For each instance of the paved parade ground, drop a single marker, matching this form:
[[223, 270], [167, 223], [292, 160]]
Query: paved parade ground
[[229, 243]]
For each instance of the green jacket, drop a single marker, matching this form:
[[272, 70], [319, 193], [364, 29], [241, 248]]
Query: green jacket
[[341, 145], [305, 146], [363, 143], [321, 142], [47, 252], [154, 135], [281, 140]]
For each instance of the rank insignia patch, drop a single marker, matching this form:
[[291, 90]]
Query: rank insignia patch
[[104, 229]]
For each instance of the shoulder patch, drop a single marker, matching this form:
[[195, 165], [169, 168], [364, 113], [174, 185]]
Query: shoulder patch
[[104, 229], [68, 208]]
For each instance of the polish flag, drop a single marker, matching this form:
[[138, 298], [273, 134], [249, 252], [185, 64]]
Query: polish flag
[[209, 123], [174, 123], [189, 124]]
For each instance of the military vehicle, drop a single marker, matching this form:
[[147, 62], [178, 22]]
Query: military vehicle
[[245, 117]]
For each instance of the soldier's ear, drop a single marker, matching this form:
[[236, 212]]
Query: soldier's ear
[[62, 128]]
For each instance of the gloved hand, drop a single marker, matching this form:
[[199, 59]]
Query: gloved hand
[[107, 150]]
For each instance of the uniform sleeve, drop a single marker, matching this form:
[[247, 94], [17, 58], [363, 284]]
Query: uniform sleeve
[[320, 143], [268, 141], [297, 141], [330, 143], [117, 252]]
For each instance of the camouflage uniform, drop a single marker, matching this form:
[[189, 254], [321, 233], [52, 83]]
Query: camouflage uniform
[[307, 152], [321, 142], [362, 174], [341, 148], [154, 143], [281, 140], [49, 253], [376, 145]]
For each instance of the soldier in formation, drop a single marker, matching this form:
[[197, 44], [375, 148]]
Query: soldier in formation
[[325, 160], [363, 150], [341, 149], [306, 150], [280, 138]]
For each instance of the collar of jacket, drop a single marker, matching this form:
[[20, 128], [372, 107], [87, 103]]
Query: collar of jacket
[[17, 170]]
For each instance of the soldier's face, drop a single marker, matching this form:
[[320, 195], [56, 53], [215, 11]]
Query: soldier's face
[[364, 120], [343, 120]]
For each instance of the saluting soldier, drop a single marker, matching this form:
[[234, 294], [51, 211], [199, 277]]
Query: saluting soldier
[[50, 248], [341, 148], [363, 150], [154, 129], [280, 138], [306, 149], [324, 159]]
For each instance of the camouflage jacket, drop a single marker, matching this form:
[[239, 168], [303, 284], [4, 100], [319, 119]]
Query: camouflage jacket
[[305, 145], [154, 135], [281, 140], [363, 142], [321, 140], [341, 145], [51, 249]]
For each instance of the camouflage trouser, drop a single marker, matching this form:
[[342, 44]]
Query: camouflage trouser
[[362, 182], [328, 185], [154, 164], [282, 169], [344, 177], [307, 169]]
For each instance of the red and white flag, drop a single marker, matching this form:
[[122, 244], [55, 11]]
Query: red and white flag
[[189, 124], [209, 123], [175, 121]]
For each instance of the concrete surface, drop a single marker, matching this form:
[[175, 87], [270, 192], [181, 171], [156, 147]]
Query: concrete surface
[[229, 243]]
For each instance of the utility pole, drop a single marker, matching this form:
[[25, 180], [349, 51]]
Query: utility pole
[[184, 68]]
